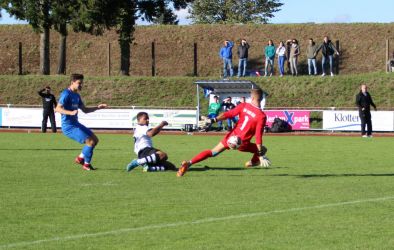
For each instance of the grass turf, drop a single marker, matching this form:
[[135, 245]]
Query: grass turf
[[303, 91], [320, 193]]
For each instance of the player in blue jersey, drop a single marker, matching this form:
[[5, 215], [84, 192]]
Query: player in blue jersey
[[69, 103]]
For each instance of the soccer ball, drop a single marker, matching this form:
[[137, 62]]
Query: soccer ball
[[234, 142]]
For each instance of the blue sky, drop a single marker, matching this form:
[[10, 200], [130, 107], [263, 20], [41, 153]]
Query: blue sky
[[317, 11]]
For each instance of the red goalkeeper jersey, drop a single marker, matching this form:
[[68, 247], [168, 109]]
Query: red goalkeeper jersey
[[251, 121]]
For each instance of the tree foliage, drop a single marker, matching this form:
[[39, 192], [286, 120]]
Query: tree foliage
[[128, 11], [233, 11], [38, 15], [91, 16]]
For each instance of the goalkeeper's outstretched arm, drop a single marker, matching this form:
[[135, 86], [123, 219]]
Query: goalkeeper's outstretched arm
[[216, 119], [223, 116]]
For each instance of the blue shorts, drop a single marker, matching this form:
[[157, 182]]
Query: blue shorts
[[77, 132]]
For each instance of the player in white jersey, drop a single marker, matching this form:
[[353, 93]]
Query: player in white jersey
[[143, 146]]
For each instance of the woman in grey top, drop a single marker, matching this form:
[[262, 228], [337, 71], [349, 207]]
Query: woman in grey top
[[293, 58]]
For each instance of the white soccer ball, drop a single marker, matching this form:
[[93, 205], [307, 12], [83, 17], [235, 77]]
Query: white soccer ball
[[234, 142]]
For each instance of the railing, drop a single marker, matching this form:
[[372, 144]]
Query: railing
[[300, 118], [9, 105]]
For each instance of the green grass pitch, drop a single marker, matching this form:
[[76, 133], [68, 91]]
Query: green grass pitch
[[320, 193]]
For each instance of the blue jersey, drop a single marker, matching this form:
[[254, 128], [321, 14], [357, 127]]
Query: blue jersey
[[70, 101]]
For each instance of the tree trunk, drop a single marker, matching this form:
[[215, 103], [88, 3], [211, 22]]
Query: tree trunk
[[126, 31], [44, 52], [124, 58], [61, 69]]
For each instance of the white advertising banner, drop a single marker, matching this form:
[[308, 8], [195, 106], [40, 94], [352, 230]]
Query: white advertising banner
[[176, 118], [24, 117], [350, 120], [104, 118]]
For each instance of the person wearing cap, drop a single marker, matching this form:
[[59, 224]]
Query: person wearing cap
[[48, 104]]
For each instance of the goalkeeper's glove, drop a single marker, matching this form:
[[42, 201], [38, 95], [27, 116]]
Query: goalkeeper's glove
[[264, 161]]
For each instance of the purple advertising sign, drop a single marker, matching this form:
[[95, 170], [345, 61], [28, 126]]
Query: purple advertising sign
[[298, 120]]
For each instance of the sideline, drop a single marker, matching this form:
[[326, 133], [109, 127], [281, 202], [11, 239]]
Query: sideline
[[185, 223], [177, 132]]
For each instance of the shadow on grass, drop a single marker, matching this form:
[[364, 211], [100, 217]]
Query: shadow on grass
[[206, 168], [51, 149], [332, 175], [168, 165]]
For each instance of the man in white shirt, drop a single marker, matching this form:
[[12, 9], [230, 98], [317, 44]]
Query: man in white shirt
[[143, 146]]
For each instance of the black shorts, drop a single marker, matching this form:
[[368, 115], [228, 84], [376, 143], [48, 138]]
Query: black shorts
[[146, 152]]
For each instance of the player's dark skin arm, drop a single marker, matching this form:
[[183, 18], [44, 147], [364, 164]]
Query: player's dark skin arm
[[154, 131]]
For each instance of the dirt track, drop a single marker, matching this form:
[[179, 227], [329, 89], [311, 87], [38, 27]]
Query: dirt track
[[296, 133]]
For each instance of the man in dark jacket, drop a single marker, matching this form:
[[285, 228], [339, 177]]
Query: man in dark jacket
[[327, 49], [243, 49], [48, 103], [363, 102]]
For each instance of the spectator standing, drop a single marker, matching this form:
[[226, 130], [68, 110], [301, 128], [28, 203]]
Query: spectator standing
[[226, 53], [288, 47], [269, 52], [293, 57], [243, 49], [327, 49], [311, 50], [281, 52], [364, 103], [49, 104]]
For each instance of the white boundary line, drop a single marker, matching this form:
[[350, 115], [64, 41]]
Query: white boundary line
[[196, 222]]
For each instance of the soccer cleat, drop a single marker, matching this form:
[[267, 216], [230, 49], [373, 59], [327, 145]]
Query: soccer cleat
[[79, 160], [133, 164], [88, 167], [250, 164], [182, 170]]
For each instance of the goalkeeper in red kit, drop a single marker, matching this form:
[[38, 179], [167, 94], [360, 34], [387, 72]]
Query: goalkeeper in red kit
[[251, 123]]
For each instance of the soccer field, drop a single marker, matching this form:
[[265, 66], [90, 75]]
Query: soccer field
[[320, 193]]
